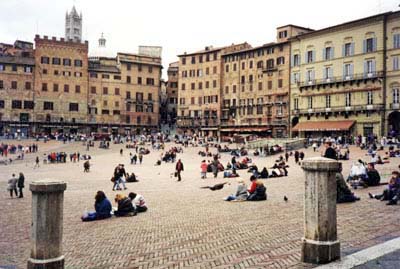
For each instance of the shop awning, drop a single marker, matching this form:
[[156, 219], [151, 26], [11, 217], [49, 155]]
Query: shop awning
[[320, 126]]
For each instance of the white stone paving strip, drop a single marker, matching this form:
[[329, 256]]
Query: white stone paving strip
[[364, 256]]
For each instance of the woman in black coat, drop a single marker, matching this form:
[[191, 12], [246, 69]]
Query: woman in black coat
[[21, 185]]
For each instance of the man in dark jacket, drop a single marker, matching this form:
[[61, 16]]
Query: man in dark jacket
[[20, 184], [179, 169], [373, 177], [330, 153]]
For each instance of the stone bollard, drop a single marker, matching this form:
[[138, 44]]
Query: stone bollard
[[47, 225], [320, 244]]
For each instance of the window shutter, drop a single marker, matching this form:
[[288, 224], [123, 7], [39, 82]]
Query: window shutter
[[374, 44], [291, 60], [364, 46], [331, 72], [292, 78], [313, 75], [351, 69], [332, 53], [395, 63], [299, 59], [344, 71], [313, 56], [365, 68], [352, 49], [306, 57], [343, 50], [373, 66], [323, 54]]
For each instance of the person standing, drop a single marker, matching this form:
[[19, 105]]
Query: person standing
[[296, 156], [21, 185], [12, 185], [179, 168], [140, 158], [37, 162], [203, 167], [287, 156]]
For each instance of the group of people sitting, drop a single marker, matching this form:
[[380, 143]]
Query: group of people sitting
[[363, 176], [56, 157], [392, 192], [256, 192], [239, 152], [126, 206]]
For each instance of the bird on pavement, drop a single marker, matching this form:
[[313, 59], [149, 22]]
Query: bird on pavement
[[215, 187], [285, 198]]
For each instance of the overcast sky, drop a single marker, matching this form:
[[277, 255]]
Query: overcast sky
[[178, 25]]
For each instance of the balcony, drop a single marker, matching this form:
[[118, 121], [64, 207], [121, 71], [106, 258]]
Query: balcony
[[197, 122], [394, 106], [270, 69], [338, 109], [356, 78]]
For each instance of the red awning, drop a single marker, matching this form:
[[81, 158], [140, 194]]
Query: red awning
[[320, 126], [246, 129]]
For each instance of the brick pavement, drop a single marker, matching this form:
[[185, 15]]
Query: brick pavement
[[185, 227]]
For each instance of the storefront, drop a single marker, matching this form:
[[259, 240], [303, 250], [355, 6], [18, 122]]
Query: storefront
[[323, 128]]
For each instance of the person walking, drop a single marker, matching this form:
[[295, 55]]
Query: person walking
[[203, 168], [179, 168], [36, 162], [21, 185], [140, 158], [12, 185]]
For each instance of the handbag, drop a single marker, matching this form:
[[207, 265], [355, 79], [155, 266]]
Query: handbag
[[175, 174]]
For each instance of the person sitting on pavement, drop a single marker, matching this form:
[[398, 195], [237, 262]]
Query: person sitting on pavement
[[373, 178], [260, 192], [391, 191], [264, 173], [252, 185], [241, 193], [102, 208], [138, 202], [125, 207], [131, 177], [231, 174], [343, 195]]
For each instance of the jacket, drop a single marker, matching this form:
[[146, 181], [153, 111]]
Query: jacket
[[259, 194], [21, 181], [103, 209], [241, 193], [12, 183], [179, 166], [125, 206], [330, 153]]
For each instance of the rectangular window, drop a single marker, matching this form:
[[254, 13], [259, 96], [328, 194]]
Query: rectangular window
[[369, 45], [348, 71], [149, 81], [396, 96], [139, 80], [310, 102], [48, 106], [117, 77], [66, 88], [200, 85], [296, 77], [14, 85], [14, 68], [296, 60], [348, 49], [328, 53], [28, 85], [2, 103], [56, 61], [150, 69], [116, 104], [73, 107], [67, 62], [370, 98], [77, 88], [214, 84], [310, 56], [214, 70], [128, 95], [1, 84], [328, 101], [2, 67], [93, 90], [28, 69], [183, 86], [260, 86], [348, 99], [234, 89], [328, 72], [396, 41], [55, 87], [280, 83], [193, 60], [93, 75], [105, 90], [269, 85], [128, 66], [44, 60], [78, 63], [16, 104], [28, 104], [310, 76], [105, 76], [192, 86], [396, 65], [296, 103], [128, 79], [280, 60], [116, 91], [105, 112], [183, 61]]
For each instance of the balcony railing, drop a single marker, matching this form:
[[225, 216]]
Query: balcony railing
[[341, 79], [373, 107], [197, 122]]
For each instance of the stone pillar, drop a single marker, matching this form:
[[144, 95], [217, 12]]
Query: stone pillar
[[47, 225], [320, 244]]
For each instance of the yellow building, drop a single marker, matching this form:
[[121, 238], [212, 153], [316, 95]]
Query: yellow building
[[200, 85], [338, 78], [255, 92]]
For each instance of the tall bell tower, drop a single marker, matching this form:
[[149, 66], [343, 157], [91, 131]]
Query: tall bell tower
[[73, 25]]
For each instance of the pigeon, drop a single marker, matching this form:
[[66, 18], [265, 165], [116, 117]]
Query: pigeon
[[215, 187], [285, 198]]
